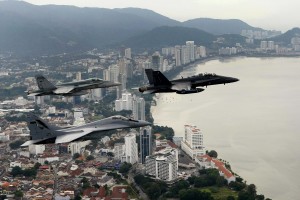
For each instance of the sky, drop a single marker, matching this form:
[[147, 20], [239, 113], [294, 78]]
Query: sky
[[267, 14]]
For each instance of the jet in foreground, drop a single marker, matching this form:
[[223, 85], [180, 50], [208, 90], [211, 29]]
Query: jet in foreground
[[158, 83], [75, 88], [43, 133]]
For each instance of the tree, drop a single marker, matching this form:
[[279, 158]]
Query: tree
[[77, 197], [90, 157], [260, 197], [153, 190], [244, 195], [16, 171], [213, 154], [125, 167], [85, 183], [18, 193], [110, 154], [139, 179], [37, 165], [30, 172], [230, 198], [191, 179], [194, 194], [237, 186], [220, 181], [200, 181], [179, 186], [2, 197], [251, 189], [46, 162], [76, 155], [78, 161]]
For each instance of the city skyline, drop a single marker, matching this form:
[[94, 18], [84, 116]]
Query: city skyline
[[281, 15]]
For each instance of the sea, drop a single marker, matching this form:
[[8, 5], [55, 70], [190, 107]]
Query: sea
[[254, 123]]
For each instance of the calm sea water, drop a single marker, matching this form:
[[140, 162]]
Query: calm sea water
[[254, 123]]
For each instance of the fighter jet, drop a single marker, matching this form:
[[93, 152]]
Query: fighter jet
[[158, 83], [43, 133], [75, 88]]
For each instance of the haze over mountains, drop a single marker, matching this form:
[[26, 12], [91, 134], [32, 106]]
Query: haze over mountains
[[30, 30]]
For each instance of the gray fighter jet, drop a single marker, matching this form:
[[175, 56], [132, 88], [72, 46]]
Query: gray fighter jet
[[75, 88], [43, 133], [158, 83]]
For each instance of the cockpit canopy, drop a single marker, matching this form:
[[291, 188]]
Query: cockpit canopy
[[119, 117]]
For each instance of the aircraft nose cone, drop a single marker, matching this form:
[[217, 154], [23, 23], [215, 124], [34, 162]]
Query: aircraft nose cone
[[232, 80], [144, 123], [235, 79]]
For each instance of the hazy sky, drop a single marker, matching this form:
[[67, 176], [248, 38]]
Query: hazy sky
[[267, 14]]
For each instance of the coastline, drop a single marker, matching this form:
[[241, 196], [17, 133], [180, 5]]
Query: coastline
[[257, 166]]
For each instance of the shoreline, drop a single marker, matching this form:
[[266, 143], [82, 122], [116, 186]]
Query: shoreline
[[254, 166]]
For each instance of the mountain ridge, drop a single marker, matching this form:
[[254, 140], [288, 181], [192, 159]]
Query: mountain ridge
[[31, 30]]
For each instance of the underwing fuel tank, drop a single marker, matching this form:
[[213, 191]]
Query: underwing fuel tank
[[196, 90]]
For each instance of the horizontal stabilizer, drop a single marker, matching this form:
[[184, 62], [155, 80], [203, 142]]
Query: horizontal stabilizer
[[63, 90]]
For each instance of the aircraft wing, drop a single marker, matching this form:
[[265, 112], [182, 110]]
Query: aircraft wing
[[63, 90], [34, 94], [72, 136], [77, 133]]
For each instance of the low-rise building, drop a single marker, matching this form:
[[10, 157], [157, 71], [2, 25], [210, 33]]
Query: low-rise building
[[207, 162]]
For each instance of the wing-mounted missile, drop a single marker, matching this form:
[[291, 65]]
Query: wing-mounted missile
[[196, 90]]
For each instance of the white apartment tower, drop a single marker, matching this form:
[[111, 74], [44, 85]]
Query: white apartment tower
[[163, 166], [264, 44], [184, 55], [78, 76], [124, 103], [128, 53], [138, 108], [193, 141], [114, 72], [119, 150], [178, 55], [190, 50], [131, 148]]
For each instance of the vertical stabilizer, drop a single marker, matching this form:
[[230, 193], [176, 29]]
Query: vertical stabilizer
[[149, 73], [39, 129], [43, 83], [156, 78]]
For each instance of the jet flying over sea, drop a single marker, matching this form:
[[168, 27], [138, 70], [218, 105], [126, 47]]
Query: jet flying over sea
[[43, 133], [74, 88], [158, 83]]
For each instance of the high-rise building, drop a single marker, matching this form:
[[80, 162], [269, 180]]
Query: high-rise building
[[131, 148], [163, 166], [145, 142], [37, 149], [185, 58], [77, 147], [193, 141], [114, 71], [156, 61], [124, 103], [264, 44], [201, 51], [178, 61], [97, 94], [40, 100], [78, 76], [119, 151], [128, 53], [190, 50], [138, 108], [271, 45]]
